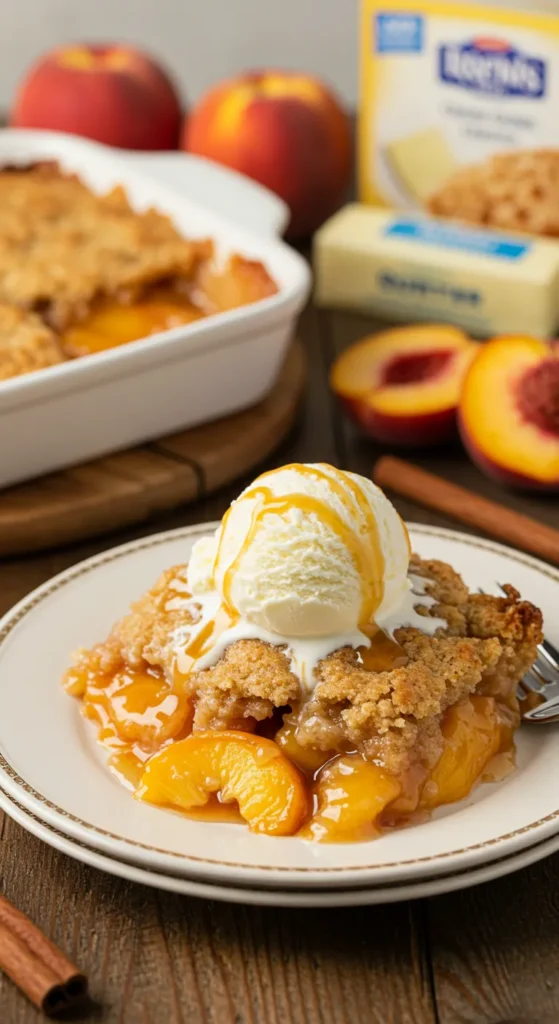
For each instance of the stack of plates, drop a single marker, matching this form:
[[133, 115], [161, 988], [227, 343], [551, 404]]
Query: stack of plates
[[54, 782]]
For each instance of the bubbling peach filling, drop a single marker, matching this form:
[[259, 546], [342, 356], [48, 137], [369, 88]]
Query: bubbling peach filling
[[162, 306], [109, 324], [271, 782], [137, 714]]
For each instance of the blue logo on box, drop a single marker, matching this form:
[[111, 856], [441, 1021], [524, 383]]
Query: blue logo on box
[[452, 236], [492, 67], [398, 33]]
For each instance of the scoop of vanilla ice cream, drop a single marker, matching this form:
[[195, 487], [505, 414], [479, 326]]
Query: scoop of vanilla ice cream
[[281, 561], [200, 573]]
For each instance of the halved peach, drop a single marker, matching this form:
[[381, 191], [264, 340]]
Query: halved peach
[[402, 386], [351, 793], [509, 411], [250, 770], [473, 734]]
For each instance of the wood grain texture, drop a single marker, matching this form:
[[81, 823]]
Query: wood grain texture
[[167, 959], [133, 485], [485, 956], [495, 950]]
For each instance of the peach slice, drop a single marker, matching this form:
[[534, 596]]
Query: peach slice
[[351, 793], [473, 735], [402, 386], [509, 411], [111, 324], [251, 770]]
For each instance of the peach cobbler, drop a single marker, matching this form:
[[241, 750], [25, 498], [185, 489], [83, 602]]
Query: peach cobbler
[[80, 272], [306, 673]]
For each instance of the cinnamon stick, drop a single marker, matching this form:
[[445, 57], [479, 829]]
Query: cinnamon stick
[[36, 965], [465, 506]]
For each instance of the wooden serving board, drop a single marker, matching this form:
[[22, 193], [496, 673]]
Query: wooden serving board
[[127, 487]]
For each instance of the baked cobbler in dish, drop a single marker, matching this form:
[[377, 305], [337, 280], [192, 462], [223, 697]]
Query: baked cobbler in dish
[[307, 674], [81, 272]]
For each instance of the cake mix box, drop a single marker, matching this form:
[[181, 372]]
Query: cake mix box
[[459, 112]]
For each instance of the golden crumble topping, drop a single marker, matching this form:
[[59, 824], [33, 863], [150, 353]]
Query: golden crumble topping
[[385, 714], [517, 624], [392, 715], [26, 344], [62, 245], [250, 681], [78, 259], [516, 191], [149, 631]]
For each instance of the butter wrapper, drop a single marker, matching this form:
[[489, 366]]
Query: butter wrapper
[[406, 266]]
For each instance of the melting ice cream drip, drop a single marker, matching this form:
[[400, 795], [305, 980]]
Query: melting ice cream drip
[[304, 653], [407, 614], [309, 559]]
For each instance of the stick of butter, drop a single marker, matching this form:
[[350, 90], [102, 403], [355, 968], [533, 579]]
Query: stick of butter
[[414, 267], [422, 162]]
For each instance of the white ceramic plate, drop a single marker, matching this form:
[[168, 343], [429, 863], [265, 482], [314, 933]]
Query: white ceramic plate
[[50, 764], [277, 897]]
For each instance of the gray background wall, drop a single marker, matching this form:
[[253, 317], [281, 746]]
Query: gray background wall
[[200, 40]]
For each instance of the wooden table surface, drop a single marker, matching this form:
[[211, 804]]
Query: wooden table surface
[[487, 955]]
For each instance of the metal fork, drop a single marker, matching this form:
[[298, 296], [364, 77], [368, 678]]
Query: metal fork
[[542, 674]]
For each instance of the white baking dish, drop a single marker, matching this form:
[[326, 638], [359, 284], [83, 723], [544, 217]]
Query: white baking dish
[[178, 378]]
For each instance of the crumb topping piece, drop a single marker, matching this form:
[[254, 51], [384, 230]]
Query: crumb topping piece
[[26, 344]]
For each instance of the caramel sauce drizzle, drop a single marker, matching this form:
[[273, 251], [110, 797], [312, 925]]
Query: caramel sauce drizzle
[[205, 639]]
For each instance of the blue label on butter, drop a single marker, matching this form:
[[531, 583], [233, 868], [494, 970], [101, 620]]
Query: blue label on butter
[[451, 236], [399, 33]]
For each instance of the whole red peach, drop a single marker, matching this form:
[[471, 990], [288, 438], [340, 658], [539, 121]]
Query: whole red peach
[[114, 94], [285, 130]]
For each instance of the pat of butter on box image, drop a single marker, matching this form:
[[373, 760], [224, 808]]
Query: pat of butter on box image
[[421, 162], [415, 267]]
